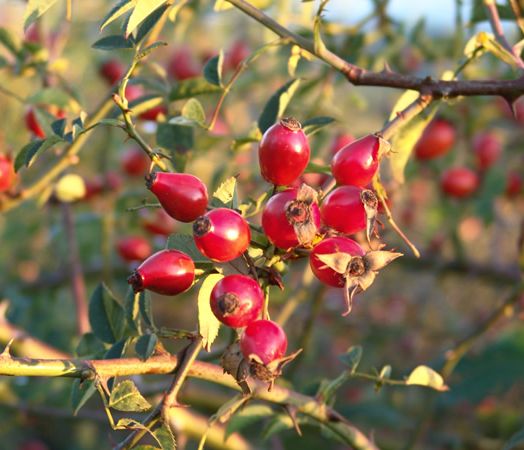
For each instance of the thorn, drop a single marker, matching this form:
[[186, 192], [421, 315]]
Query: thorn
[[387, 68], [511, 102], [6, 352], [292, 413]]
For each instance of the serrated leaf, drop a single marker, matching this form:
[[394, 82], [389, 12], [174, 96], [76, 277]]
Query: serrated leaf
[[403, 142], [352, 357], [193, 87], [89, 347], [106, 315], [30, 152], [81, 392], [113, 42], [185, 243], [426, 376], [194, 112], [249, 415], [317, 23], [34, 9], [226, 194], [142, 10], [176, 138], [208, 324], [118, 10], [213, 69], [311, 126], [165, 437], [145, 346], [125, 396], [490, 43], [277, 104]]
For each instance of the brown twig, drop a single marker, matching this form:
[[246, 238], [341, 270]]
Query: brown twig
[[510, 89], [518, 13], [496, 26]]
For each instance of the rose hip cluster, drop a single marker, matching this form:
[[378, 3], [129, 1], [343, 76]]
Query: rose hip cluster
[[221, 235], [293, 217]]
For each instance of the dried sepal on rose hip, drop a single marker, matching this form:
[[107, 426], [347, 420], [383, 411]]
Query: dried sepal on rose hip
[[292, 217], [263, 344], [358, 272]]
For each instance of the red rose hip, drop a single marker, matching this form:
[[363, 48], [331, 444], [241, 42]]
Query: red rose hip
[[159, 223], [343, 208], [183, 196], [133, 248], [436, 140], [167, 272], [357, 163], [459, 182], [7, 173], [283, 152], [290, 219], [183, 65], [135, 162], [221, 234], [487, 147], [112, 70], [236, 300], [264, 339], [337, 244]]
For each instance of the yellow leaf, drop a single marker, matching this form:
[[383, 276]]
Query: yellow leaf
[[142, 9], [208, 324], [426, 376]]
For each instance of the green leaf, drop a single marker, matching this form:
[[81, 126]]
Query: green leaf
[[165, 437], [81, 392], [194, 112], [113, 42], [516, 439], [193, 87], [177, 138], [426, 376], [145, 345], [34, 9], [146, 311], [117, 350], [493, 185], [143, 9], [311, 126], [58, 127], [9, 41], [89, 346], [352, 357], [317, 23], [317, 168], [403, 142], [328, 388], [277, 104], [106, 315], [213, 69], [126, 397], [30, 152], [118, 10], [208, 324], [226, 194], [249, 415], [185, 243]]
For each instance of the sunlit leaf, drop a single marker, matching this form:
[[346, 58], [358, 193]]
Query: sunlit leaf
[[426, 376], [277, 104], [126, 397], [208, 324]]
